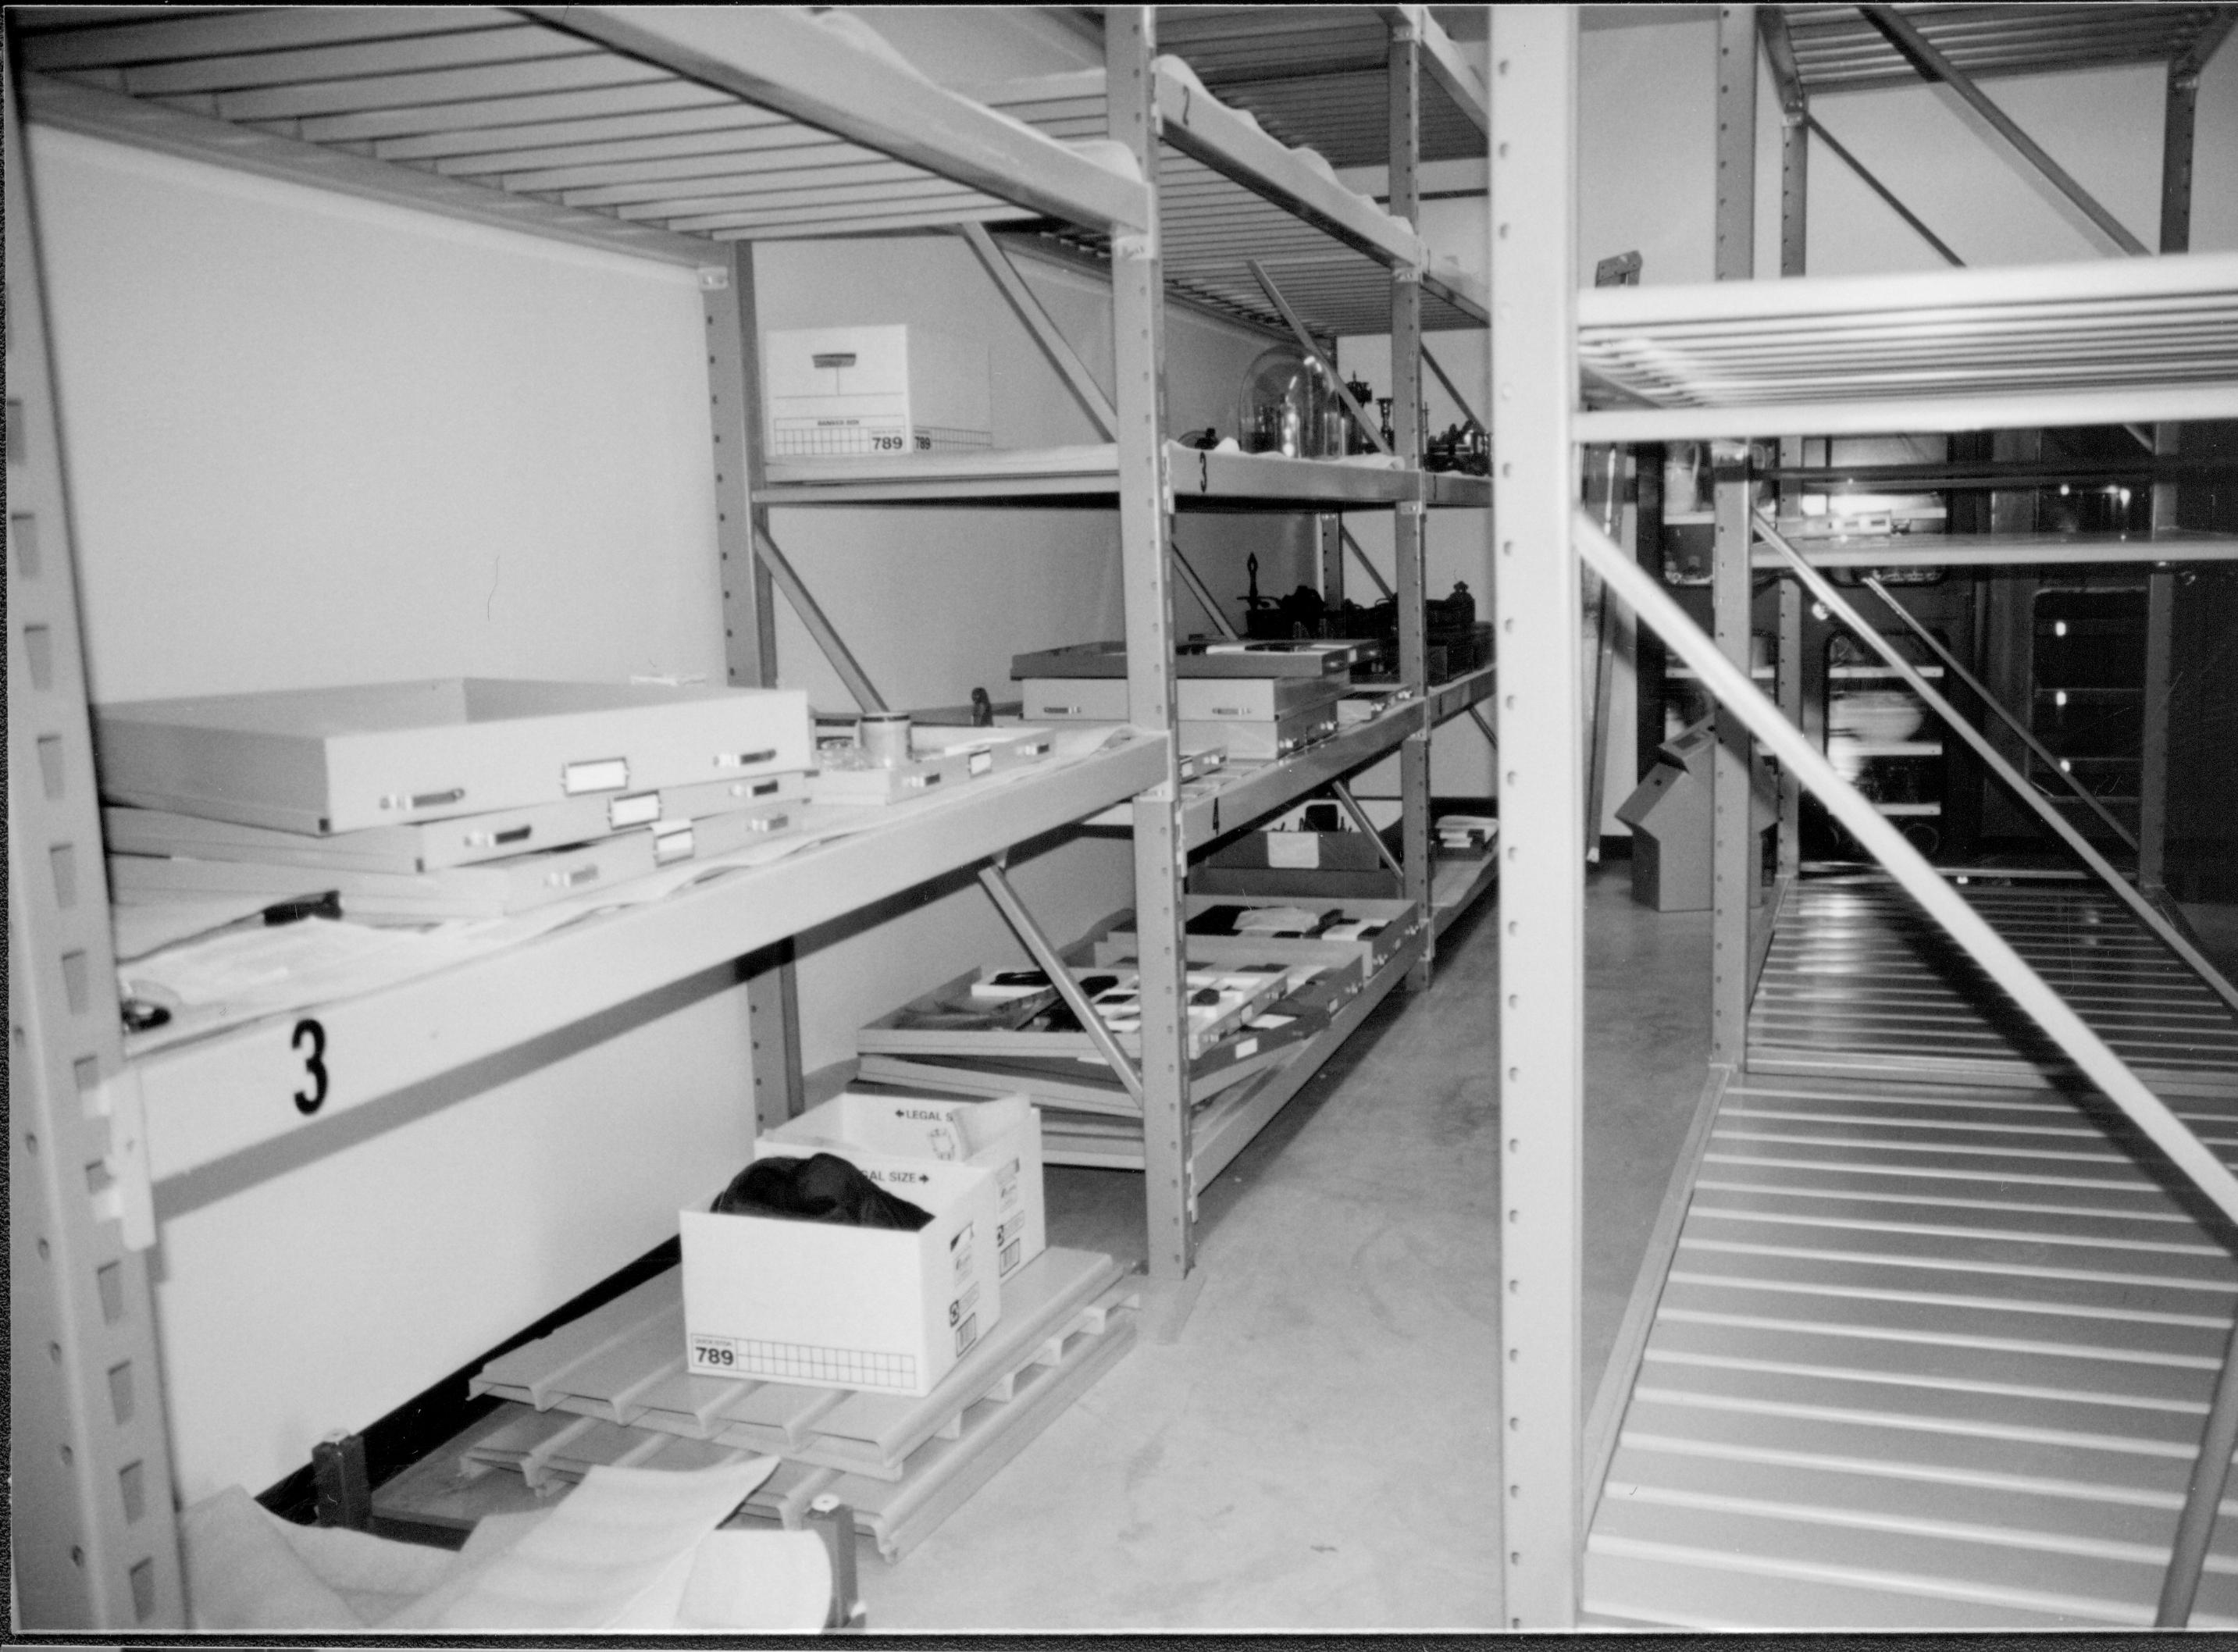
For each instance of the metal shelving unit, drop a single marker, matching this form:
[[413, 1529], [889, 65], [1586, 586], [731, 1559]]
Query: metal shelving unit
[[675, 135], [1794, 1529]]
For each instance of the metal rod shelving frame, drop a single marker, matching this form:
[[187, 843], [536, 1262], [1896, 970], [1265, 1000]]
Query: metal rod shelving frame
[[2131, 342], [505, 119]]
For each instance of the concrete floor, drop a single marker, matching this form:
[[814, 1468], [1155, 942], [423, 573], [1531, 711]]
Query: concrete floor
[[1312, 1446]]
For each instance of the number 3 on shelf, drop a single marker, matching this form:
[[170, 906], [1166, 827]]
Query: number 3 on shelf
[[314, 1064]]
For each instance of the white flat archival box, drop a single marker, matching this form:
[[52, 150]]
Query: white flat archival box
[[341, 759]]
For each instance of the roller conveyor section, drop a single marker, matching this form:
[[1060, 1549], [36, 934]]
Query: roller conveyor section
[[1934, 1351], [1859, 983]]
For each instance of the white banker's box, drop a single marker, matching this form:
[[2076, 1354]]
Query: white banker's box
[[843, 392], [837, 1306], [1003, 1135]]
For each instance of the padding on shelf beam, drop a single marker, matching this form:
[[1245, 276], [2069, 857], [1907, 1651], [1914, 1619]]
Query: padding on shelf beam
[[1733, 690]]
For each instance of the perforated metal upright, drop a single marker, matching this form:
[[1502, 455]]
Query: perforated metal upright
[[1409, 523], [1541, 1009], [1145, 532], [95, 1543]]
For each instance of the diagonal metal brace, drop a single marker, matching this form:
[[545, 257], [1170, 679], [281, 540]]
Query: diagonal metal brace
[[1482, 722], [1307, 342], [1200, 591], [1451, 389], [1887, 194], [2028, 738], [1934, 65], [1044, 955], [1353, 545], [1942, 904], [1055, 346], [1359, 818], [819, 625], [2144, 910]]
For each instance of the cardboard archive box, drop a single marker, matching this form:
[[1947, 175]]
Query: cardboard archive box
[[832, 1305], [863, 391], [1003, 1135]]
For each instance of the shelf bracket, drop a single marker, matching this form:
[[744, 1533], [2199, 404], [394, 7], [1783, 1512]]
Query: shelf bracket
[[819, 625], [1045, 957], [1343, 793], [1307, 343], [1055, 346], [1933, 65]]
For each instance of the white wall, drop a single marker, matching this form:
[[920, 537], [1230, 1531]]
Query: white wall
[[314, 439]]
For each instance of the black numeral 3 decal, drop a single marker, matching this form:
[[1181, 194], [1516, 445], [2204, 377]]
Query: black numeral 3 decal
[[314, 1066]]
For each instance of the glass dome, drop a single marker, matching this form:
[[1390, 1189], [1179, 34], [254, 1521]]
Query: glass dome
[[1289, 406]]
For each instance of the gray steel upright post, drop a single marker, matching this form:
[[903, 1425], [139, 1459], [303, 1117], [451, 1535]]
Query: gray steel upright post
[[726, 293], [1734, 847], [2176, 139], [1540, 708], [95, 1541], [1406, 533], [1794, 238], [1145, 504]]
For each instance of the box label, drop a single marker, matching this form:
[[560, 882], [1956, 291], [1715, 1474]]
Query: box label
[[718, 1355]]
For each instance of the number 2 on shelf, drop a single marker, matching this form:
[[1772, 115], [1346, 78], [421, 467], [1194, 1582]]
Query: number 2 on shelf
[[314, 1064]]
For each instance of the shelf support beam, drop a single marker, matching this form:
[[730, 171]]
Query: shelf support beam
[[1045, 954], [1887, 196], [1532, 263], [818, 624], [734, 399], [1145, 532], [1933, 65], [2143, 910], [1053, 344]]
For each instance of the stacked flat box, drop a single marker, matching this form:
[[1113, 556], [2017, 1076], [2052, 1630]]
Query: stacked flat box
[[1256, 719]]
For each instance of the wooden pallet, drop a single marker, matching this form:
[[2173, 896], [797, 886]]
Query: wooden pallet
[[611, 1387]]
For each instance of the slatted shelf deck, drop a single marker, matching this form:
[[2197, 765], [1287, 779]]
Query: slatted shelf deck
[[1929, 1354], [1858, 982]]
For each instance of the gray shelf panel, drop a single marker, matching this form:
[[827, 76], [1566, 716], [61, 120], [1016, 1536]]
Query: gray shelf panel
[[1457, 883], [1089, 475], [1249, 794], [1449, 699], [218, 1097], [762, 103]]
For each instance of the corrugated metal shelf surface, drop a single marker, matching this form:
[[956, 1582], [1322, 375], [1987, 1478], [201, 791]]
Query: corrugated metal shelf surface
[[1089, 474], [1926, 1356], [2009, 550], [1837, 50], [1318, 75], [229, 1093], [1859, 982], [647, 132], [1228, 192], [2132, 339]]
